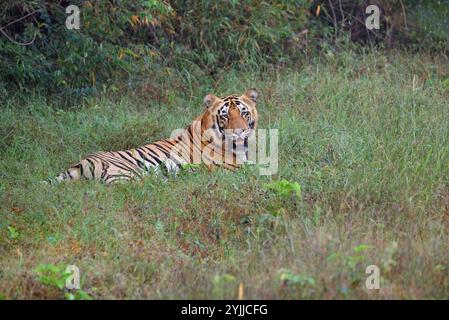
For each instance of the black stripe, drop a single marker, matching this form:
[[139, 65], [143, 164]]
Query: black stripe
[[154, 155], [144, 157], [125, 158], [171, 143], [122, 166], [167, 154], [116, 162], [138, 162], [91, 168], [162, 147]]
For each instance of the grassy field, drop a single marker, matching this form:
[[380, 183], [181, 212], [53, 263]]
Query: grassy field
[[365, 136]]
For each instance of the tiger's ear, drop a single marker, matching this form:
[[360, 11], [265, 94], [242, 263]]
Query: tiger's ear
[[252, 94], [209, 100]]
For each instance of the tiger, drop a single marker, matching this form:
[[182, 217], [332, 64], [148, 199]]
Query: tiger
[[218, 137]]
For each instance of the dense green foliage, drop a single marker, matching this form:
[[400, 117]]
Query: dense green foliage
[[122, 42]]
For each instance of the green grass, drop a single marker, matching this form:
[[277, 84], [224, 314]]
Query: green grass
[[364, 136]]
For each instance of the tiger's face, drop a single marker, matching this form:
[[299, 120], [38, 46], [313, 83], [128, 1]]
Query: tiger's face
[[233, 117]]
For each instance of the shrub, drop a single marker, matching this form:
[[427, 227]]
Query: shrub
[[125, 41]]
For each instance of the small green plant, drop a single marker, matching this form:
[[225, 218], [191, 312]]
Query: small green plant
[[189, 168], [299, 285], [284, 188], [77, 295], [353, 263], [55, 276], [353, 260], [289, 278], [13, 233], [362, 248], [52, 275], [282, 191]]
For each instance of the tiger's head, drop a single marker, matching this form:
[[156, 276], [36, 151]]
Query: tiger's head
[[233, 117]]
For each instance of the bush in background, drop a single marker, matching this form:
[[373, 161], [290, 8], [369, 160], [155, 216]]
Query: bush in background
[[122, 42]]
